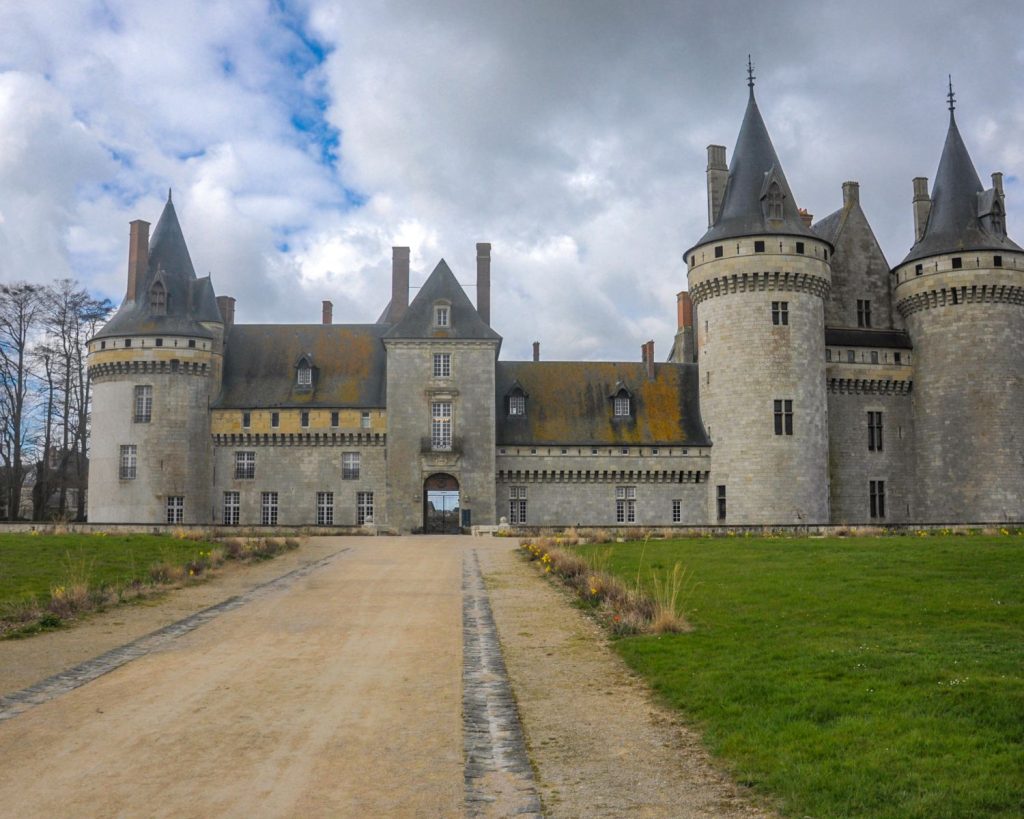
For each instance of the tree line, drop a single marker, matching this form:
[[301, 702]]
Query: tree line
[[45, 397]]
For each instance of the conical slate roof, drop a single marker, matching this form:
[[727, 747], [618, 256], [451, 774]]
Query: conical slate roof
[[188, 300], [464, 321], [954, 223], [753, 168]]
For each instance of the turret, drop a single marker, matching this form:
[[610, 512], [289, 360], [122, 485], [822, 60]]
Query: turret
[[959, 289], [154, 368], [757, 279]]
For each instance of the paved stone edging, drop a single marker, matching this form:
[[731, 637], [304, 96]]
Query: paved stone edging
[[498, 776], [52, 687]]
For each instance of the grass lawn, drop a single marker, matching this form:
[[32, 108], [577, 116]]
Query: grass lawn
[[872, 676], [30, 565]]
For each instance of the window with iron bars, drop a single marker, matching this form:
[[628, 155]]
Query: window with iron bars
[[441, 425], [143, 404], [245, 465], [350, 466], [129, 459]]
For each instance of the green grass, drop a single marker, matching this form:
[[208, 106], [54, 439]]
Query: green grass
[[30, 565], [867, 677]]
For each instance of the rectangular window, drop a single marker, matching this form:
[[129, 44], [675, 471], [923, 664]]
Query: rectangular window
[[828, 354], [874, 431], [877, 498], [442, 365], [957, 262], [143, 404], [364, 420], [192, 343], [350, 466], [863, 312], [799, 247], [441, 425], [127, 342], [441, 316], [517, 505], [275, 419], [159, 342], [874, 356], [175, 509], [364, 507], [784, 416], [677, 510], [517, 404], [621, 405], [231, 506], [324, 508], [850, 357], [918, 269], [245, 465], [897, 357], [268, 509], [129, 457], [718, 251], [721, 501], [305, 376], [246, 420], [759, 247], [625, 504], [304, 418], [780, 312], [997, 261], [334, 418]]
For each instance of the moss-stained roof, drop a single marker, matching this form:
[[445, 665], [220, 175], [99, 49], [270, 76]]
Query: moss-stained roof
[[570, 403], [260, 366]]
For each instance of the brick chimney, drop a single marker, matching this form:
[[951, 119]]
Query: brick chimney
[[922, 206], [328, 312], [536, 351], [851, 193], [399, 282], [483, 281], [683, 351], [647, 357], [138, 255], [226, 305], [718, 175]]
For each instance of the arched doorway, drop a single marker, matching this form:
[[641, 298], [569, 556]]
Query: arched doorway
[[441, 505]]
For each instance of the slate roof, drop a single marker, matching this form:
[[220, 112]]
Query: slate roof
[[189, 300], [569, 402], [829, 227], [260, 366], [953, 223], [464, 321], [754, 162], [887, 339]]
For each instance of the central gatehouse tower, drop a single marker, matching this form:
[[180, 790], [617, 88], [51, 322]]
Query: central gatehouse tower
[[758, 279]]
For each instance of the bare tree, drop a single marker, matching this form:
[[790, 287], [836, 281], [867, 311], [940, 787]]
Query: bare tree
[[20, 308]]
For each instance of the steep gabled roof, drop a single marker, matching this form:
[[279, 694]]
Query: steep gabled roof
[[464, 321], [570, 403], [754, 163], [260, 364], [954, 223], [188, 300]]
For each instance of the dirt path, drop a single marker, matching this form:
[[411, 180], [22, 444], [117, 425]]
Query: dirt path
[[366, 681], [599, 744]]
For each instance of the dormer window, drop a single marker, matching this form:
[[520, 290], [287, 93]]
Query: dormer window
[[773, 201], [442, 315], [158, 299], [622, 405], [517, 403], [305, 377], [304, 372]]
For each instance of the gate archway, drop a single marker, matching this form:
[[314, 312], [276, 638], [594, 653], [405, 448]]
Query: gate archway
[[441, 504]]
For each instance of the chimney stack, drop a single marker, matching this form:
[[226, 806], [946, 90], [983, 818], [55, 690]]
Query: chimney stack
[[997, 184], [922, 206], [683, 351], [805, 217], [399, 282], [328, 313], [226, 305], [483, 281], [536, 351], [647, 357], [138, 256], [851, 193], [718, 175], [684, 310]]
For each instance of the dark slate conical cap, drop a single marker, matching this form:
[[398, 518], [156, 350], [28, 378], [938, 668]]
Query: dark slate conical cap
[[954, 223], [418, 320], [753, 167], [188, 300]]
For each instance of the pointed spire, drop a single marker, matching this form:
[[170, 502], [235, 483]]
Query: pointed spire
[[754, 173], [953, 222], [169, 196]]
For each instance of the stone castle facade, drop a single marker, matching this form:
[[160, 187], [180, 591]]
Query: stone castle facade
[[809, 382]]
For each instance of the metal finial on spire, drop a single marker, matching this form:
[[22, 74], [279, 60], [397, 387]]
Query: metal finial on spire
[[750, 75], [951, 96], [168, 196]]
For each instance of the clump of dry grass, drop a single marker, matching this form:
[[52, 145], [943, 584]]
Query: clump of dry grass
[[626, 610]]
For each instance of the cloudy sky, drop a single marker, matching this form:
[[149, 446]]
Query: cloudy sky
[[304, 138]]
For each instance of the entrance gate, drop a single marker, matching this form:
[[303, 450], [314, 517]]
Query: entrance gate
[[441, 505]]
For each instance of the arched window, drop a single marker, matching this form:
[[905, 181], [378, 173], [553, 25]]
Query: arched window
[[158, 299], [774, 201]]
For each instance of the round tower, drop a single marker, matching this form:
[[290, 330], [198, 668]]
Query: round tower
[[961, 291], [758, 279], [154, 368]]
